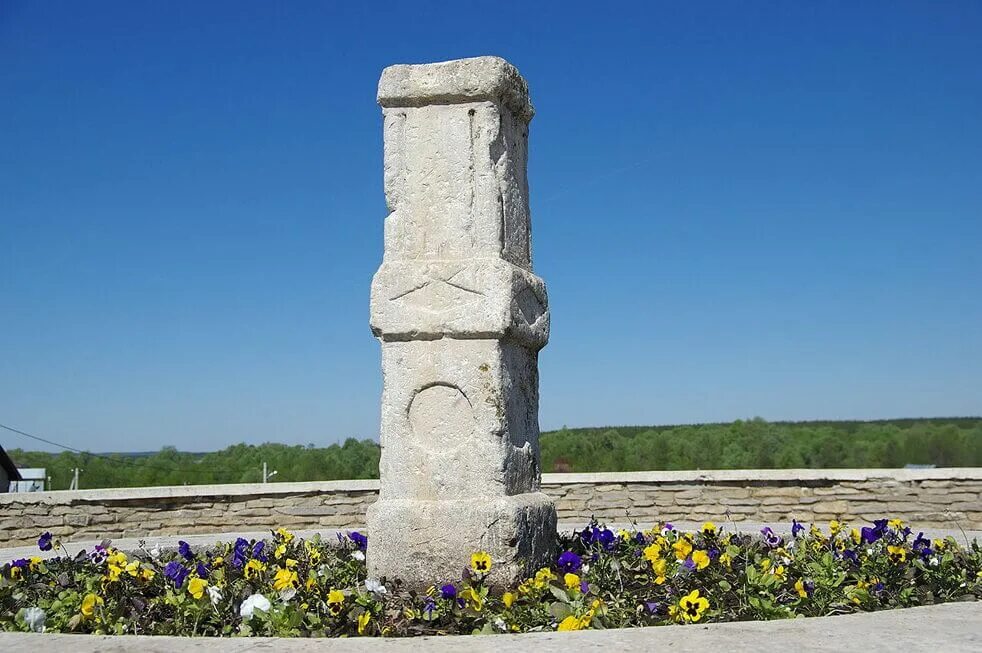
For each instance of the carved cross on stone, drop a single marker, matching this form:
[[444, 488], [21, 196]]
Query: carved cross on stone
[[461, 319]]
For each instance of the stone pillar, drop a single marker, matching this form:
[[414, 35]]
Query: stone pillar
[[461, 319]]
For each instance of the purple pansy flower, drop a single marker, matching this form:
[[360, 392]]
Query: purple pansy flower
[[240, 552], [202, 570], [921, 546], [771, 539], [360, 540], [44, 542], [871, 535], [258, 551], [98, 555], [796, 528], [185, 550], [176, 572], [569, 562], [448, 591]]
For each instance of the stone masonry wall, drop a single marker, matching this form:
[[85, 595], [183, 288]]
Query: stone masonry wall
[[934, 498]]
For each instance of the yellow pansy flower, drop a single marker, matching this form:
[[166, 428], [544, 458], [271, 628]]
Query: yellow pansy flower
[[543, 577], [312, 553], [90, 603], [709, 528], [569, 623], [473, 598], [285, 578], [692, 606], [363, 620], [701, 559], [285, 534], [113, 572], [481, 562], [659, 567], [897, 554], [508, 598], [652, 552], [196, 587], [572, 582], [253, 568], [682, 548], [335, 601]]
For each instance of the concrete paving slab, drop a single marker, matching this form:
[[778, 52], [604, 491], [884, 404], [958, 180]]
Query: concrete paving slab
[[952, 628]]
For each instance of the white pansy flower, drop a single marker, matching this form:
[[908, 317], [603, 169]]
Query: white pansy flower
[[374, 586], [253, 603], [214, 594], [358, 555], [35, 618]]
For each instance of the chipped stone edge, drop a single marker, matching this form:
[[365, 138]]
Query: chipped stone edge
[[729, 476], [454, 82]]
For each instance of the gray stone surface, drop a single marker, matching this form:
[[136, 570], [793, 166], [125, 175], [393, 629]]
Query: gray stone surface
[[931, 498], [952, 628], [461, 319]]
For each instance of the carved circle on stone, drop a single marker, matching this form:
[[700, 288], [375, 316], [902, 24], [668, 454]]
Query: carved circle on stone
[[442, 417]]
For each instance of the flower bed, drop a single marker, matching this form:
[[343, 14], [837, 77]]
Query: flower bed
[[287, 586]]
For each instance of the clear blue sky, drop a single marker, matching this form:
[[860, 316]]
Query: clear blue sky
[[741, 209]]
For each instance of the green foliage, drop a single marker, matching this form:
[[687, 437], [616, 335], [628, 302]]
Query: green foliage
[[758, 444], [751, 444], [241, 463]]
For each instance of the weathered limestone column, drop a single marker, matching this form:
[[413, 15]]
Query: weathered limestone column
[[461, 319]]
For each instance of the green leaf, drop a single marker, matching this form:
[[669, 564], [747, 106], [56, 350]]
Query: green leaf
[[559, 611]]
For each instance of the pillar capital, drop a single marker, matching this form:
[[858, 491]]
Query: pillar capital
[[478, 79]]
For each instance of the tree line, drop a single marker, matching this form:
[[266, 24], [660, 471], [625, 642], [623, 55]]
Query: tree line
[[744, 444]]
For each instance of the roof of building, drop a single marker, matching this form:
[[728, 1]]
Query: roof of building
[[8, 465]]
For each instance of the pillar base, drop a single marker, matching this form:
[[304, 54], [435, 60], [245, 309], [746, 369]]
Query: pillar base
[[423, 543]]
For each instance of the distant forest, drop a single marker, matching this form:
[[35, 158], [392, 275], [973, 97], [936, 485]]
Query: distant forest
[[756, 443]]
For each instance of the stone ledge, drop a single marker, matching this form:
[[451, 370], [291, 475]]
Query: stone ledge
[[191, 492], [743, 477]]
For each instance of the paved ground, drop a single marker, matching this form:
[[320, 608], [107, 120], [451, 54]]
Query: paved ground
[[949, 628]]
